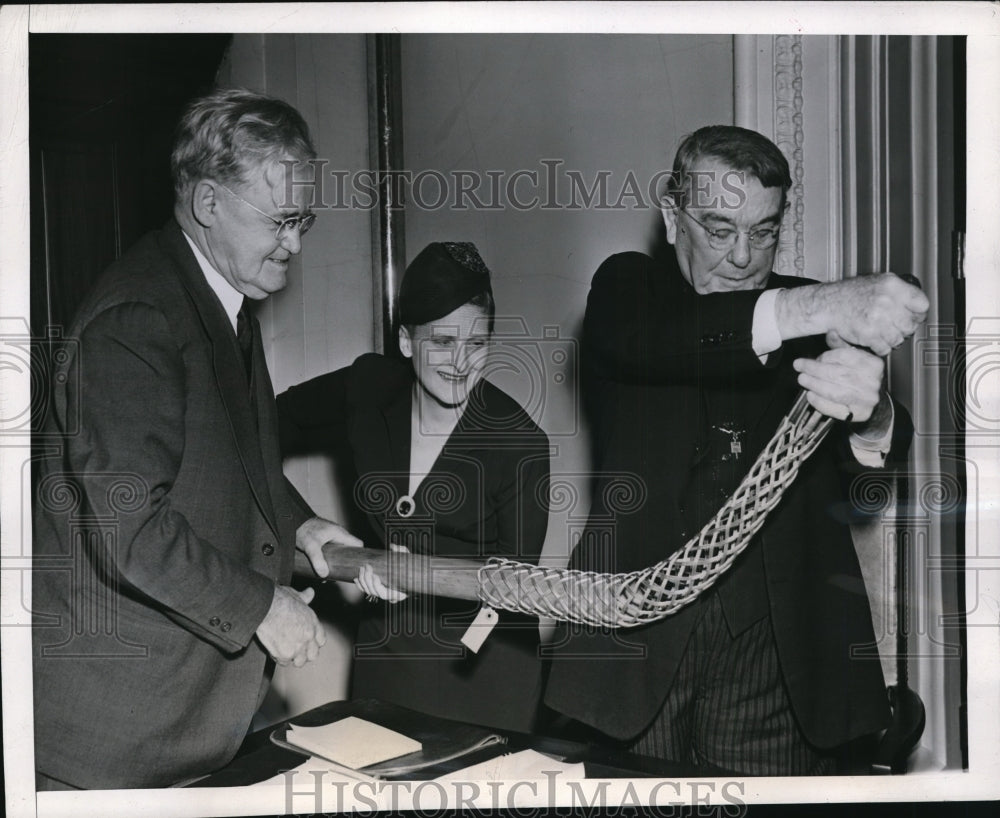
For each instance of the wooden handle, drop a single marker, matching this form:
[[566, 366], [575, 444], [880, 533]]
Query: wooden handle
[[412, 573]]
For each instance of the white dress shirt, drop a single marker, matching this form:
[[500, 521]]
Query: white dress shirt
[[231, 298]]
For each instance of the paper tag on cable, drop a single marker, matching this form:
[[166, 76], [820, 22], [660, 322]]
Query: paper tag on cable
[[480, 628]]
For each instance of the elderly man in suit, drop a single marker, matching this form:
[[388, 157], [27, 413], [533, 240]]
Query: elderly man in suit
[[691, 371], [164, 529]]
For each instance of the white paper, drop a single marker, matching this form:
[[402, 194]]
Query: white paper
[[353, 742], [526, 765]]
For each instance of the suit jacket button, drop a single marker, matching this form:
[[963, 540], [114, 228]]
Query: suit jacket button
[[267, 549], [226, 627], [214, 621]]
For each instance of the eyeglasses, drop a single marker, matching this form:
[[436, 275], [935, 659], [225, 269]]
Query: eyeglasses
[[282, 226], [761, 238]]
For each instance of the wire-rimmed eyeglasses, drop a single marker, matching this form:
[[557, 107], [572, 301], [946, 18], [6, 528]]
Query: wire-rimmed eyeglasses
[[761, 238], [282, 226]]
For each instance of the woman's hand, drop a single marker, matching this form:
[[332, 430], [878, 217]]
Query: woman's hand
[[372, 586]]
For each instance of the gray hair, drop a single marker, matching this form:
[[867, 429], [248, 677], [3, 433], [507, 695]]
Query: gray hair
[[229, 131]]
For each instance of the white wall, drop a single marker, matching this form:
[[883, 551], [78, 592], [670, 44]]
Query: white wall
[[595, 103]]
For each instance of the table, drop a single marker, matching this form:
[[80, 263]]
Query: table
[[258, 759]]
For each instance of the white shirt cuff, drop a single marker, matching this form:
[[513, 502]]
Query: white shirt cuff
[[765, 335], [872, 453]]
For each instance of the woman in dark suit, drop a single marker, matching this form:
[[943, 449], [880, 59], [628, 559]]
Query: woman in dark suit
[[445, 464]]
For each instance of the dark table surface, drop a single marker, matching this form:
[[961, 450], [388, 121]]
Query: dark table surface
[[260, 759]]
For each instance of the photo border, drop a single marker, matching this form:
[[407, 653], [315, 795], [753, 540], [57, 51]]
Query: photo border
[[977, 20]]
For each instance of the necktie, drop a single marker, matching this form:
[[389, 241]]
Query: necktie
[[244, 337]]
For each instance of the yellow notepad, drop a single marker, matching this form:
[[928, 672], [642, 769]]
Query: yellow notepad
[[352, 742]]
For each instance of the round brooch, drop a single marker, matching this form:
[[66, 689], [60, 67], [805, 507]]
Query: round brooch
[[405, 506]]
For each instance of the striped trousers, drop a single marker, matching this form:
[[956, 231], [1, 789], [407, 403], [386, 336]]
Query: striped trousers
[[728, 707]]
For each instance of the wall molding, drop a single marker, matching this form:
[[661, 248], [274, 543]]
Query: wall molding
[[860, 132], [788, 87], [788, 135]]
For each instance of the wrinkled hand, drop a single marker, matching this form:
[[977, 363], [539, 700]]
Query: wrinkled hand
[[843, 383], [371, 584], [877, 311], [291, 633], [874, 311], [314, 533]]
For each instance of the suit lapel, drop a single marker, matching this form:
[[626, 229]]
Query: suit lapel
[[397, 425], [782, 385], [266, 426], [230, 374]]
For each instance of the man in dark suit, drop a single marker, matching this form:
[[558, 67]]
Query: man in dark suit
[[691, 370], [164, 529]]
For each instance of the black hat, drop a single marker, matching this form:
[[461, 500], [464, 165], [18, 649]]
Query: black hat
[[443, 277]]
